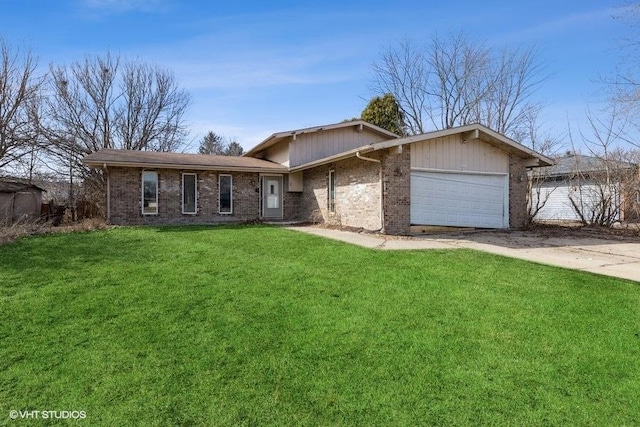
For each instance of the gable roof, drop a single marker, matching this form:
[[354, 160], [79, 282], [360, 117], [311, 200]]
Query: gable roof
[[11, 186], [475, 130], [577, 163], [279, 136], [154, 159]]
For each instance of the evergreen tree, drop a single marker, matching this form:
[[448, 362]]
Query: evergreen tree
[[385, 112]]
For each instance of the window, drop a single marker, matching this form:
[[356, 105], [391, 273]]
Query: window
[[189, 193], [149, 193], [225, 200], [332, 192]]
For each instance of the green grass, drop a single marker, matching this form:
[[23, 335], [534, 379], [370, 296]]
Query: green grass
[[263, 326]]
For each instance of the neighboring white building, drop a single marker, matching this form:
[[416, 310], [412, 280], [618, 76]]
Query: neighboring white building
[[578, 188]]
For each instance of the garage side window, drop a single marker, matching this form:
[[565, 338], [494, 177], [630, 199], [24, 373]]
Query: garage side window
[[149, 193], [225, 201], [189, 193], [332, 192]]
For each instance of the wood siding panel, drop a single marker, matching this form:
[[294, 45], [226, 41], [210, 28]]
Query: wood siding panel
[[317, 145], [451, 153], [279, 153]]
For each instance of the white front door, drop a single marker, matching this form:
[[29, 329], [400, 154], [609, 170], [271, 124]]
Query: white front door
[[272, 197]]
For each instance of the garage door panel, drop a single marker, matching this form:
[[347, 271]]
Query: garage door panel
[[465, 200], [556, 200]]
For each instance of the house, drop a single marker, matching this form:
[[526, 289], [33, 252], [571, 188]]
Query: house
[[352, 174], [19, 201], [585, 189]]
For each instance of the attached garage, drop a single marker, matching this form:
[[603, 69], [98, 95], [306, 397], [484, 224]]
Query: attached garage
[[472, 177], [460, 199]]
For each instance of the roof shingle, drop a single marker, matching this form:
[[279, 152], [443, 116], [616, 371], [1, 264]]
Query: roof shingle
[[154, 159]]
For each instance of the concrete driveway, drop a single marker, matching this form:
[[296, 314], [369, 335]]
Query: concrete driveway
[[618, 258]]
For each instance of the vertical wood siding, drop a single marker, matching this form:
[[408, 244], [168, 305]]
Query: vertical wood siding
[[451, 153], [317, 145], [279, 153]]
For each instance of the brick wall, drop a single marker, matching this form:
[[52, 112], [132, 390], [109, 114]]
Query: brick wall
[[517, 193], [126, 187], [358, 193], [291, 206], [397, 194], [357, 201]]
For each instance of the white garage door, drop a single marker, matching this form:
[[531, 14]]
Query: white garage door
[[555, 199], [555, 202], [459, 199]]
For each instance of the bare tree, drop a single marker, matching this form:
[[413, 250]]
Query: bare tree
[[104, 102], [150, 118], [19, 96], [622, 87], [510, 107], [602, 188], [540, 185], [403, 72], [456, 81]]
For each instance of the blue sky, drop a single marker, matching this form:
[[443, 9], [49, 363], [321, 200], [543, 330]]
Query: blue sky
[[255, 68]]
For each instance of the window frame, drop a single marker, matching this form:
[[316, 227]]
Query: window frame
[[157, 203], [220, 176], [331, 192], [195, 193]]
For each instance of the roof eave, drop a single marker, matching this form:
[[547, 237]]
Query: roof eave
[[152, 165], [492, 136], [519, 148], [331, 159], [277, 137]]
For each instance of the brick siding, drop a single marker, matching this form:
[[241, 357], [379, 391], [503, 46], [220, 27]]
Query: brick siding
[[397, 191], [357, 200], [518, 212], [358, 195], [126, 200]]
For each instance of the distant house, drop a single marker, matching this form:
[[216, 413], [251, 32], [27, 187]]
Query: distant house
[[585, 189], [351, 174], [19, 201]]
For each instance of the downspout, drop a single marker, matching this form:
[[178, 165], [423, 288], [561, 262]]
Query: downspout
[[106, 171], [369, 159]]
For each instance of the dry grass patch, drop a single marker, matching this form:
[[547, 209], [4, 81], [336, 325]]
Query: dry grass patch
[[35, 228]]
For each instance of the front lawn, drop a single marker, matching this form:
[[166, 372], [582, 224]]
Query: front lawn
[[263, 326]]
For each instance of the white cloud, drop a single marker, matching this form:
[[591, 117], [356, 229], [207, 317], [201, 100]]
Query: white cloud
[[252, 73], [223, 61]]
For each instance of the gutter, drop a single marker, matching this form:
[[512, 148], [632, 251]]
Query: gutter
[[369, 159], [221, 168]]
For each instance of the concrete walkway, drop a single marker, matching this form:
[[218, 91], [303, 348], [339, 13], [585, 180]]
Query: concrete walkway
[[608, 257]]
